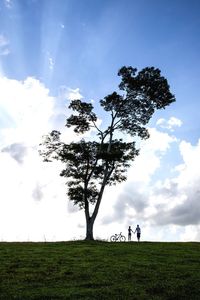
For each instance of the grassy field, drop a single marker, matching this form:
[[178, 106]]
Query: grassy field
[[100, 270]]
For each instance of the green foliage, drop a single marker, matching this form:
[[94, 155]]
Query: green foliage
[[99, 270]]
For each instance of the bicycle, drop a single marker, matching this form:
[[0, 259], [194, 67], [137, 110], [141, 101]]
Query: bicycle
[[117, 237]]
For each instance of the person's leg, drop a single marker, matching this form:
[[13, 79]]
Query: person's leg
[[138, 237]]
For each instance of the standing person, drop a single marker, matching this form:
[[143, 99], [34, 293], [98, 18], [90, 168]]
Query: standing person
[[138, 230], [129, 233]]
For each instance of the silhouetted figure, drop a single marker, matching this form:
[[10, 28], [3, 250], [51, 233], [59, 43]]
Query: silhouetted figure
[[129, 233], [138, 230]]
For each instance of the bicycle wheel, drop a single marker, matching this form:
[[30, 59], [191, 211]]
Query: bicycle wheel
[[113, 238], [122, 238]]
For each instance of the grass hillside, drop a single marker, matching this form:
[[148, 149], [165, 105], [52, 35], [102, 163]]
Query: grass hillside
[[100, 270]]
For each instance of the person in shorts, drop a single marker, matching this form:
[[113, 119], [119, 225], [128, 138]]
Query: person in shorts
[[138, 230]]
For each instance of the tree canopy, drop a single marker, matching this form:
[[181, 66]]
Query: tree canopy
[[90, 165]]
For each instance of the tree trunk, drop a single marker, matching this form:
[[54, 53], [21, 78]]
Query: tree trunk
[[89, 229], [91, 219]]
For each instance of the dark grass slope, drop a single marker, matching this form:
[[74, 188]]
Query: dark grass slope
[[100, 270]]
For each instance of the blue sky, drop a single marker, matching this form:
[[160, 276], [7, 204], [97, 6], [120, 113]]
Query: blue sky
[[53, 50], [88, 41]]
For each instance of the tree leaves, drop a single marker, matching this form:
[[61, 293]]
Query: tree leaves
[[81, 121], [103, 160]]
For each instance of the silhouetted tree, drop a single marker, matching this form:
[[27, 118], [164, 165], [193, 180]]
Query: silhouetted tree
[[103, 160]]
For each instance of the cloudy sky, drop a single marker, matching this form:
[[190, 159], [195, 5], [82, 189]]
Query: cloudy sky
[[53, 51]]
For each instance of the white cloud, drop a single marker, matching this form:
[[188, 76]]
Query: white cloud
[[25, 110], [191, 233], [33, 196], [17, 151], [169, 124], [8, 3], [4, 46], [33, 202], [69, 94], [151, 152], [132, 199], [74, 94], [168, 209], [177, 199], [51, 63]]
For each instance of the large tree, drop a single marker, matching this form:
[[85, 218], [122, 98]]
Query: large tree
[[91, 164]]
